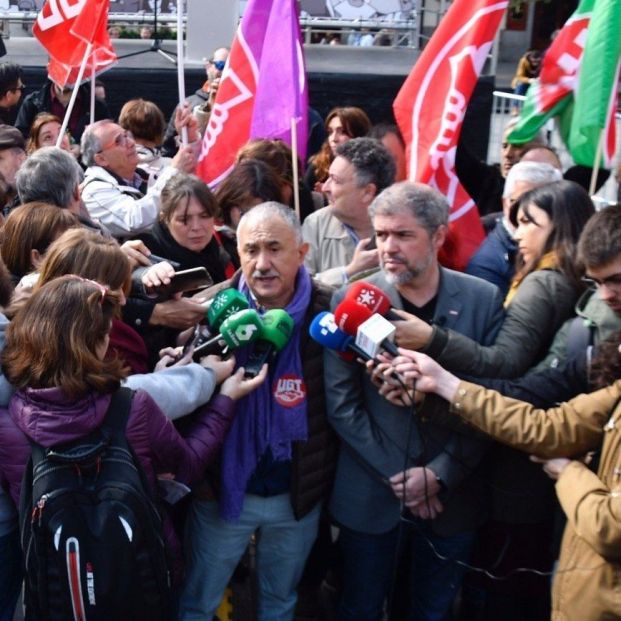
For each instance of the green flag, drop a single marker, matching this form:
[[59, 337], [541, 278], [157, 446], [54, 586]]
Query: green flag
[[595, 95], [550, 95]]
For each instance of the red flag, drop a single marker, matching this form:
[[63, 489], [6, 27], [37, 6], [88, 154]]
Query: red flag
[[430, 109], [65, 28]]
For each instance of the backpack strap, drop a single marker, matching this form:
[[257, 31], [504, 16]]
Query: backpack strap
[[114, 425], [117, 415]]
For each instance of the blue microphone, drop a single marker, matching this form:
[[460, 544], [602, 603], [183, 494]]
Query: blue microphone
[[324, 330]]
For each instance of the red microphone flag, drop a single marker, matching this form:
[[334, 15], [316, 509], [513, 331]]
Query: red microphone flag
[[65, 28], [430, 109]]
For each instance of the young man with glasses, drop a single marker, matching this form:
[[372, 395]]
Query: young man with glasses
[[599, 308], [11, 90]]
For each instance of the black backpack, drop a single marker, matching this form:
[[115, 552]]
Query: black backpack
[[90, 530]]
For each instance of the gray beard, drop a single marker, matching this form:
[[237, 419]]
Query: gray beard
[[400, 279], [408, 275]]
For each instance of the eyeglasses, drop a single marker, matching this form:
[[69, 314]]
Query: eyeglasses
[[218, 64], [613, 281], [120, 140]]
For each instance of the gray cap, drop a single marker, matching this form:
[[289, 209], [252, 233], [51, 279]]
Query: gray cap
[[11, 137]]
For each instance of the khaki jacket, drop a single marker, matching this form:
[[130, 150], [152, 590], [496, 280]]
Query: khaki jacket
[[331, 247], [587, 586]]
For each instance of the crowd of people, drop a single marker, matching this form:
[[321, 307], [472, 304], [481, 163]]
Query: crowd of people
[[394, 483]]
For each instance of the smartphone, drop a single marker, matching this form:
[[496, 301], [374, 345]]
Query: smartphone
[[185, 280], [371, 245]]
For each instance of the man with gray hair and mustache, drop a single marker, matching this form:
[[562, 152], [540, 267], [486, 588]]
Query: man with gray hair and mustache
[[387, 457], [277, 462]]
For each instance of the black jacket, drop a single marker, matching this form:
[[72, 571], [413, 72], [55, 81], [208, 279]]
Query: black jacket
[[41, 101], [314, 461]]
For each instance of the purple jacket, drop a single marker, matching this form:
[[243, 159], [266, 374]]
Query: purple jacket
[[49, 418]]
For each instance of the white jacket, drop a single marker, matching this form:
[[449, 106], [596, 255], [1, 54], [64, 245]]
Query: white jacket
[[123, 209]]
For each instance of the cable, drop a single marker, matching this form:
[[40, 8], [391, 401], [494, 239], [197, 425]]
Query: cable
[[412, 522]]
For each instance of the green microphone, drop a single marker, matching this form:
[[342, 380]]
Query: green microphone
[[224, 304], [238, 330], [276, 332]]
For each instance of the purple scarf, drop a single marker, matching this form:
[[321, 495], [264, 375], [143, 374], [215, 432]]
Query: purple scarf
[[273, 416]]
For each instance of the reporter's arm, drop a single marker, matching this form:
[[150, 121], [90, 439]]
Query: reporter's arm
[[573, 428]]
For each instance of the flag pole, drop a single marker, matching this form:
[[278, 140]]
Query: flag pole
[[294, 162], [596, 163], [92, 117], [74, 94], [180, 77]]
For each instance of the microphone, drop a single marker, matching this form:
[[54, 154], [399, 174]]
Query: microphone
[[372, 297], [377, 332], [240, 329], [224, 304], [349, 315], [324, 330], [276, 331]]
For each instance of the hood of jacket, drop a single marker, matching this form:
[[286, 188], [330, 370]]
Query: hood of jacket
[[594, 310], [48, 417]]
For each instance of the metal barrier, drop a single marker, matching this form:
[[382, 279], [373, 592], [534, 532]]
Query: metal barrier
[[506, 106], [389, 32], [392, 33]]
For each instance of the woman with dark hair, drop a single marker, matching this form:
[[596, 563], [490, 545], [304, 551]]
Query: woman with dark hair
[[250, 183], [55, 356], [549, 221], [278, 155], [342, 124], [185, 230]]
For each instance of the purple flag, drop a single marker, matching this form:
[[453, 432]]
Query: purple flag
[[282, 92], [263, 87]]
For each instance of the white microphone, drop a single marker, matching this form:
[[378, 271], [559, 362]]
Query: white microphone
[[375, 334]]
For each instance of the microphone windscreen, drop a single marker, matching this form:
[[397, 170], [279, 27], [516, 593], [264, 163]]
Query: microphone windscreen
[[224, 304], [369, 295], [324, 330], [241, 328], [349, 315], [277, 327]]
